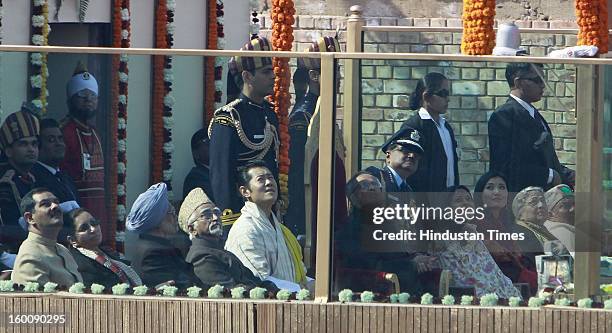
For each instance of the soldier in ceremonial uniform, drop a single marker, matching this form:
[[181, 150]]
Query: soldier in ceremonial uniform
[[403, 152], [299, 120], [19, 141], [84, 159], [243, 130]]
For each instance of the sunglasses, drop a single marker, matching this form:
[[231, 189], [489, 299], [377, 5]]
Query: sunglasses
[[442, 93], [86, 226]]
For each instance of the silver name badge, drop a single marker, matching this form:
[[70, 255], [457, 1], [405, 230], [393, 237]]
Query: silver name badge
[[258, 136]]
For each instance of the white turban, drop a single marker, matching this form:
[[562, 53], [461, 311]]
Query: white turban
[[81, 81]]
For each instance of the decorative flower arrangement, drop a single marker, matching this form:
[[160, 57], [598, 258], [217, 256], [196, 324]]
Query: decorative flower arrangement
[[6, 286], [193, 292], [608, 304], [467, 300], [238, 292], [394, 298], [215, 291], [514, 301], [427, 299], [163, 101], [120, 288], [50, 287], [563, 302], [257, 293], [585, 303], [214, 65], [404, 298], [119, 93], [303, 295], [592, 19], [606, 288], [478, 34], [169, 291], [31, 287], [77, 288], [282, 38], [448, 300], [535, 302], [489, 299], [141, 290], [367, 297], [96, 288], [283, 295], [345, 295], [40, 37]]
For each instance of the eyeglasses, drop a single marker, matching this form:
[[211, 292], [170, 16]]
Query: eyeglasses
[[442, 93], [86, 94], [534, 79], [536, 201], [86, 226], [208, 214]]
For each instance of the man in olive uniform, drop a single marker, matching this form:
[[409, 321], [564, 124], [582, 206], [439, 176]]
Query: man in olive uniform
[[245, 129], [299, 120], [19, 141]]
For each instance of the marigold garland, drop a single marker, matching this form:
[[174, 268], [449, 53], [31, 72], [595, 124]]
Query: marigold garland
[[478, 34], [219, 60], [163, 100], [282, 15], [40, 72], [592, 19], [119, 95], [209, 72]]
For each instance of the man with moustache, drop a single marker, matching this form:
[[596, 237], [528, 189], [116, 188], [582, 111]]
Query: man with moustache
[[246, 129], [402, 154], [520, 140], [40, 258], [51, 152], [84, 158], [258, 238], [201, 219], [19, 141]]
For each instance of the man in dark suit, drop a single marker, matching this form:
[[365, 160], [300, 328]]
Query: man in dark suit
[[520, 140], [51, 153], [151, 226], [403, 152], [199, 176]]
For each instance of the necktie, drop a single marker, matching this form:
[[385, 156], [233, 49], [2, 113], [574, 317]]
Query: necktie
[[404, 187], [538, 117]]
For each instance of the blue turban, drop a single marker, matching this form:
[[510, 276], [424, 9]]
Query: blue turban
[[149, 209]]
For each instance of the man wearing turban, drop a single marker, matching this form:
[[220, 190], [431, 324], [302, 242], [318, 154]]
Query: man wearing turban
[[19, 141], [201, 219], [151, 226], [243, 130], [84, 158]]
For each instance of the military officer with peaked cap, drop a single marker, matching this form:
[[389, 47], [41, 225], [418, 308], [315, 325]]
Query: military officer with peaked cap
[[245, 129], [402, 154]]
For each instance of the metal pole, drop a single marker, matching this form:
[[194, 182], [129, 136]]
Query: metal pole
[[352, 89]]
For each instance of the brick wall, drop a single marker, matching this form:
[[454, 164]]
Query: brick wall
[[477, 88]]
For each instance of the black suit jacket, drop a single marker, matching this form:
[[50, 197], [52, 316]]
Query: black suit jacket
[[213, 265], [199, 176], [431, 175], [61, 185], [93, 272], [157, 260], [512, 135]]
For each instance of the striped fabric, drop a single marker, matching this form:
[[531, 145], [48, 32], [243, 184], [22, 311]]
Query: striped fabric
[[239, 64], [17, 126], [323, 44]]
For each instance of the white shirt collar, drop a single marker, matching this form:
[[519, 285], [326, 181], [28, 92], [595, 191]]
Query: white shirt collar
[[525, 105], [424, 114], [50, 168], [398, 179]]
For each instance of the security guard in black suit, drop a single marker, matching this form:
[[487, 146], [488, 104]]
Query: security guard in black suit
[[245, 129], [403, 152], [19, 141]]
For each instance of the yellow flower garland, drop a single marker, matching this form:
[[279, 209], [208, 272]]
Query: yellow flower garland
[[478, 34]]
